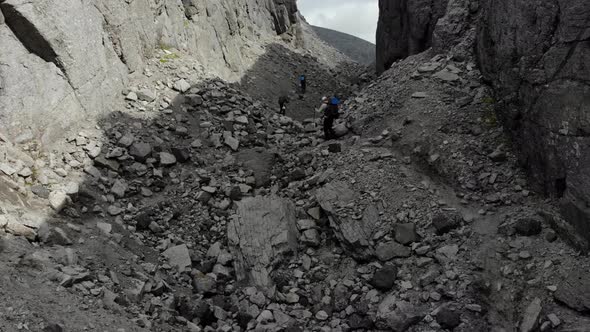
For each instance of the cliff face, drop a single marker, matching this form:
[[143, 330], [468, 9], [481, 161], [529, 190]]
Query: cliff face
[[536, 54], [408, 27], [405, 28], [64, 61]]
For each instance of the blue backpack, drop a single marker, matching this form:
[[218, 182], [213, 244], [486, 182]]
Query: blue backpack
[[332, 109], [302, 78]]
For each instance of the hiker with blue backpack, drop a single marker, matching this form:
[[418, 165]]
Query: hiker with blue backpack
[[302, 83], [331, 113]]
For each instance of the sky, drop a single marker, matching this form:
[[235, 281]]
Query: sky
[[355, 17]]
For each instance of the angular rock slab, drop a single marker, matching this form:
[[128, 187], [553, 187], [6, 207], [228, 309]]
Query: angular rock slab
[[574, 291], [398, 316], [260, 235], [178, 257], [354, 235]]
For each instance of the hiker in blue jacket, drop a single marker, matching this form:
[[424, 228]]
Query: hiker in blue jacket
[[302, 83], [331, 113]]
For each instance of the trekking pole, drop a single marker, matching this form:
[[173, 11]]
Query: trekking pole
[[314, 116]]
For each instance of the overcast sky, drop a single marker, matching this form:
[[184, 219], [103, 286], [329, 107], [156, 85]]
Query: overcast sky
[[355, 17]]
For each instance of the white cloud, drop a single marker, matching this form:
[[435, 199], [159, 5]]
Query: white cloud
[[355, 17]]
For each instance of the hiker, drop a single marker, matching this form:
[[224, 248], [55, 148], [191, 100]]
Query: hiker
[[331, 113], [302, 83], [283, 101], [324, 105]]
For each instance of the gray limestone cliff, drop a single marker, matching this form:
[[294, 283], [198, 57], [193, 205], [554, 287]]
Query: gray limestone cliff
[[62, 62]]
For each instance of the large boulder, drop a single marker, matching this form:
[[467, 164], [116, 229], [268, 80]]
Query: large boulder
[[262, 232], [354, 235], [398, 316]]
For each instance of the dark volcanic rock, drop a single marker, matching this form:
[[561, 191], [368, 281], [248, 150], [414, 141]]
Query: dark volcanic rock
[[448, 318], [195, 308], [181, 154], [445, 223], [528, 226], [297, 174], [335, 147], [358, 322], [406, 233], [243, 319], [53, 328], [384, 278]]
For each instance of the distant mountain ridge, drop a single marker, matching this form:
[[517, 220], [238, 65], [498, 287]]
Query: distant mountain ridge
[[355, 48]]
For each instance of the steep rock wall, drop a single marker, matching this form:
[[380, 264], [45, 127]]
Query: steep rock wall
[[536, 54], [408, 27], [405, 28], [65, 61]]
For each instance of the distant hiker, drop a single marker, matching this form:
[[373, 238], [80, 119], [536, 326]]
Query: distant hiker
[[302, 83], [283, 101], [331, 113]]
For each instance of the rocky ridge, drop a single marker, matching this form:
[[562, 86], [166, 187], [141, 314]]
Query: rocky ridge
[[355, 48]]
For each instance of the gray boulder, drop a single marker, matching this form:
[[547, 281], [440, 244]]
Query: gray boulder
[[140, 151], [167, 159], [262, 232], [354, 235], [178, 257]]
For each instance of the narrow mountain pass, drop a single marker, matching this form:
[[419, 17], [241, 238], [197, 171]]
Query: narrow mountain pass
[[186, 202]]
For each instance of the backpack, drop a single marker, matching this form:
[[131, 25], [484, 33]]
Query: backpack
[[335, 102], [332, 111], [302, 78]]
